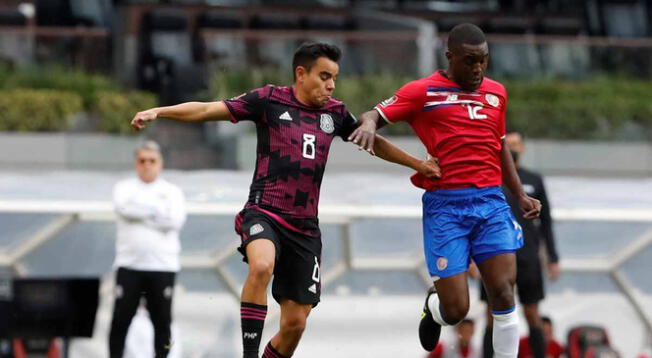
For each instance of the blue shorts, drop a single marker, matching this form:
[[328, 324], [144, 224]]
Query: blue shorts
[[462, 223]]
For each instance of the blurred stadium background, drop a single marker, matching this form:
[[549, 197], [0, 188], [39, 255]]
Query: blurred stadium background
[[73, 73]]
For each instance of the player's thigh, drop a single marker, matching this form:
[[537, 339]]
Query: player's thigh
[[294, 313], [445, 241], [498, 233], [260, 244], [297, 275], [453, 292], [499, 276]]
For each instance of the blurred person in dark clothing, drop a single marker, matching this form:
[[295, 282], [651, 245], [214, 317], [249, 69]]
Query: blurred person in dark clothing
[[529, 278]]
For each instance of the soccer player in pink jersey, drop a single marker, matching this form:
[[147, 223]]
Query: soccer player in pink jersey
[[459, 115], [279, 228]]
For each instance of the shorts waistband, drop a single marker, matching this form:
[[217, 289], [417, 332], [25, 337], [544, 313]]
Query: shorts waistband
[[464, 192]]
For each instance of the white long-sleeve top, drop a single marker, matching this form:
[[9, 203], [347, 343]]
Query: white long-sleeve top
[[149, 218]]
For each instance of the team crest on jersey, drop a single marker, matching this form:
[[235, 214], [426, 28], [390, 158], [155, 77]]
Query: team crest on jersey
[[492, 99], [326, 123], [256, 229], [388, 101], [442, 263]]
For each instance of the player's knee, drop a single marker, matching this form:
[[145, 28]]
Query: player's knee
[[456, 313], [294, 325], [261, 271], [503, 296]]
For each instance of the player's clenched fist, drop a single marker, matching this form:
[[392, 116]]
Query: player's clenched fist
[[141, 118], [430, 168], [531, 207]]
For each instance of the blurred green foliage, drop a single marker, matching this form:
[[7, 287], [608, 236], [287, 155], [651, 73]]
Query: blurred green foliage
[[86, 85], [600, 108], [46, 98], [116, 109], [604, 108], [37, 110]]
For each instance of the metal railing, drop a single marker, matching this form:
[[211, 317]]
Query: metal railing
[[70, 212]]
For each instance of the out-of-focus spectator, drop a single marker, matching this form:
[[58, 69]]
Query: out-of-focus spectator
[[150, 213], [554, 349], [461, 347]]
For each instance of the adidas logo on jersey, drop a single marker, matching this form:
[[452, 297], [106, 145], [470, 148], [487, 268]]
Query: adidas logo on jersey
[[313, 288], [256, 229], [285, 116]]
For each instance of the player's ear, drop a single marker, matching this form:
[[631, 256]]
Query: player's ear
[[449, 55], [300, 73]]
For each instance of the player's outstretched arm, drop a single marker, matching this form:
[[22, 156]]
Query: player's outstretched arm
[[185, 112], [391, 153], [364, 135], [531, 207]]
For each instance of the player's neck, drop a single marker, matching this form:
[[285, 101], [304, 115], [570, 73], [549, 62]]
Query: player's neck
[[300, 96]]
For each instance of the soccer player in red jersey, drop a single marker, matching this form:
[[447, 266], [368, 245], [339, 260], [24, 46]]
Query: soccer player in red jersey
[[459, 115], [278, 225]]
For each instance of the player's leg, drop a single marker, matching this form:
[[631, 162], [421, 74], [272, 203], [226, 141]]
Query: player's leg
[[159, 288], [127, 297], [261, 255], [293, 322], [499, 276], [297, 287], [493, 248], [260, 249], [529, 281], [446, 248]]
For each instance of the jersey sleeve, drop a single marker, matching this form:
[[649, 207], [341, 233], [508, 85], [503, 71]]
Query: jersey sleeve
[[349, 124], [407, 101], [249, 106]]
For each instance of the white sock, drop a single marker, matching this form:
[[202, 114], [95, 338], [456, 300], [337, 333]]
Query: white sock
[[433, 306], [505, 334]]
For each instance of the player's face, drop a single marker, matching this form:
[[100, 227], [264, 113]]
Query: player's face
[[547, 331], [465, 332], [316, 86], [515, 142], [467, 64], [148, 164]]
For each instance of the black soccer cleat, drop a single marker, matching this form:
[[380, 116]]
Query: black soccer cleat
[[429, 330]]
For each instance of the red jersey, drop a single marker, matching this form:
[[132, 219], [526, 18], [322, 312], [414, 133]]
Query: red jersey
[[464, 130]]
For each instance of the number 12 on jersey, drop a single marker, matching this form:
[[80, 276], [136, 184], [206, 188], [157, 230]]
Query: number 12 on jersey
[[308, 146], [474, 112]]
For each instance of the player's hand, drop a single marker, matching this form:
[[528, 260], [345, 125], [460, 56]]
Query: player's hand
[[553, 270], [473, 271], [430, 168], [531, 207], [141, 118], [364, 136]]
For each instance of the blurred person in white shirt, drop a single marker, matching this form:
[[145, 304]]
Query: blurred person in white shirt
[[150, 213]]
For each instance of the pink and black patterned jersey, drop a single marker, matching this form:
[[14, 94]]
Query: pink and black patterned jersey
[[293, 144]]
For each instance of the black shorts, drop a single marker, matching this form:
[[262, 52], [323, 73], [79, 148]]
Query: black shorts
[[529, 282], [297, 273]]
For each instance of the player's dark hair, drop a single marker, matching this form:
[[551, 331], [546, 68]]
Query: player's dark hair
[[465, 34], [546, 319], [467, 321], [308, 53]]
